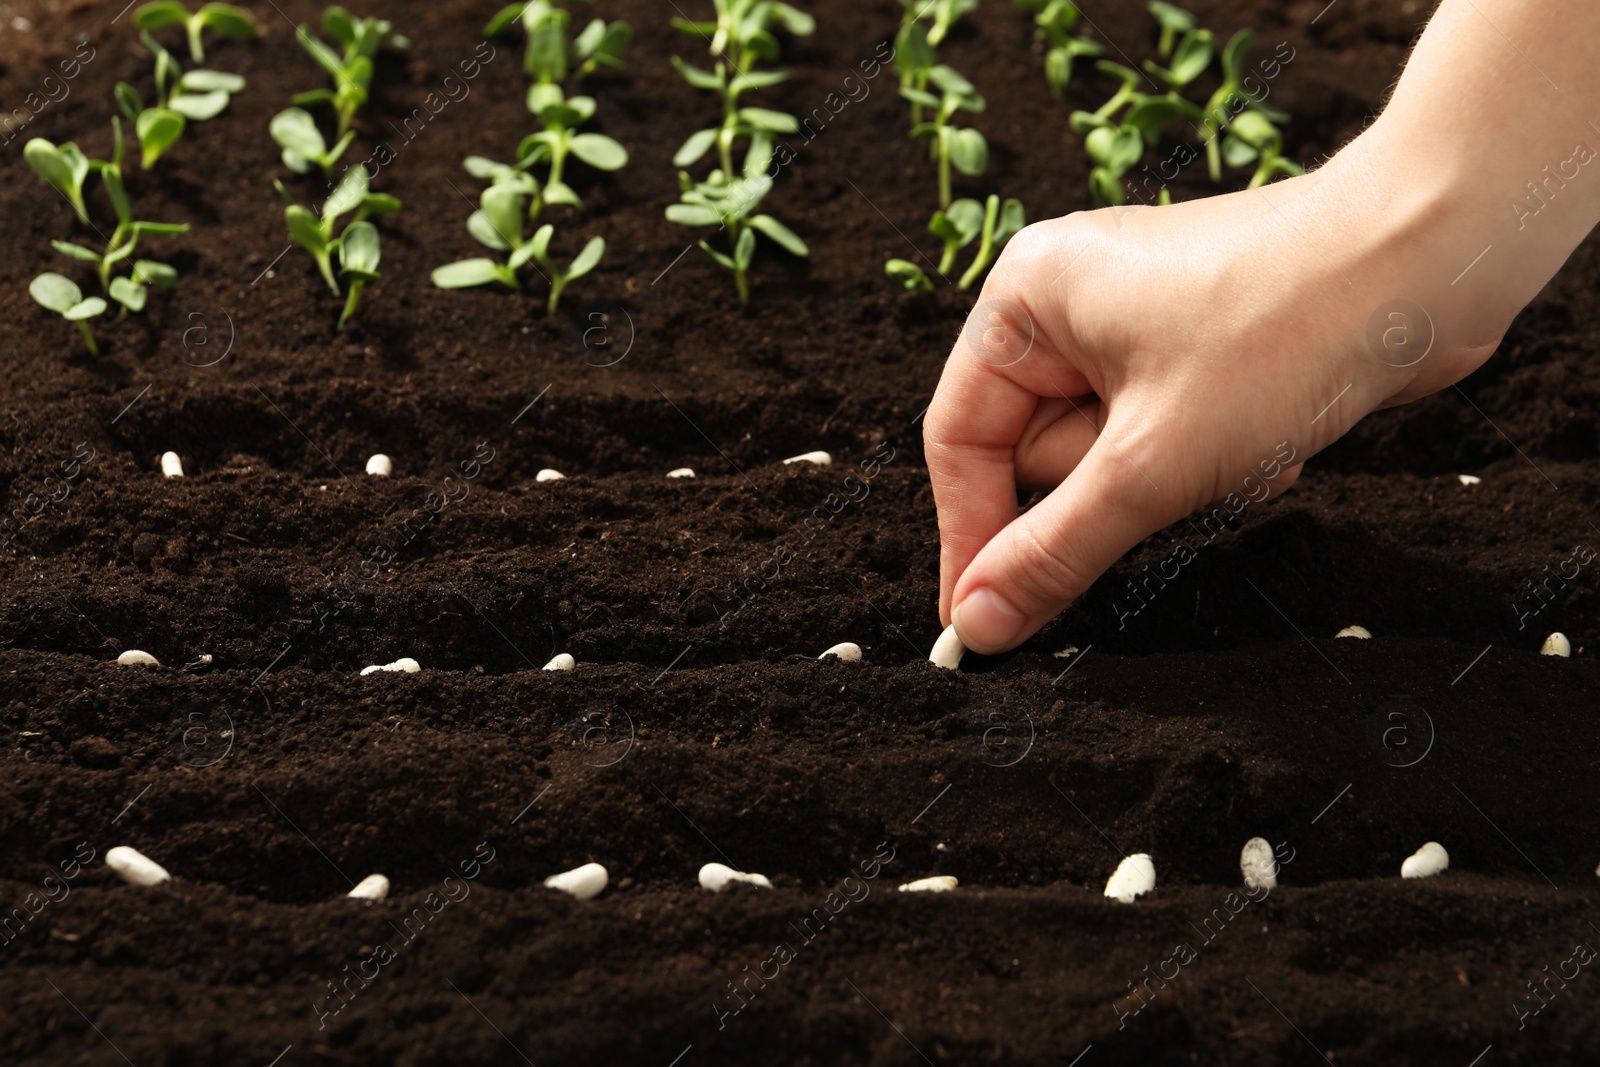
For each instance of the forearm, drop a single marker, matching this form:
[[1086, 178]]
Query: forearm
[[1490, 152]]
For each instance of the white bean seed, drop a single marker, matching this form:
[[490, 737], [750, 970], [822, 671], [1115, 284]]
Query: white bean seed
[[1426, 861], [584, 882], [848, 651], [939, 884], [1556, 645], [1355, 631], [681, 472], [135, 868], [717, 876], [379, 466], [405, 664], [1070, 650], [171, 465], [821, 459], [372, 887], [948, 650], [548, 475], [562, 662], [1257, 864], [1469, 479], [134, 658], [1133, 877]]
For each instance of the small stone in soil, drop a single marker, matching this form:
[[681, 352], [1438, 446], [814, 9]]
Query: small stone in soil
[[717, 876], [372, 887], [135, 868], [584, 882], [405, 664], [948, 650], [134, 658], [848, 651], [1133, 877], [1426, 861]]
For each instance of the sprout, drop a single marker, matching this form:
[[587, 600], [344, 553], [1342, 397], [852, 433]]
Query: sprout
[[729, 206], [351, 71], [557, 141], [225, 19], [195, 95], [62, 295], [303, 144], [64, 169], [317, 235], [1056, 19], [1173, 21], [940, 14], [965, 149], [549, 56], [992, 224], [1252, 138]]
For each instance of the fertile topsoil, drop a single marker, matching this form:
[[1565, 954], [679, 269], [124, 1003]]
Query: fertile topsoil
[[270, 779]]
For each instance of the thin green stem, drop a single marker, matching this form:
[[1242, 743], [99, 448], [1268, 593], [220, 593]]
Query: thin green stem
[[356, 285], [197, 52], [944, 167], [325, 264], [558, 282], [88, 337], [991, 214]]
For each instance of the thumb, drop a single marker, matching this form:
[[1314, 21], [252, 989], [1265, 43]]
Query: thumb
[[1045, 559]]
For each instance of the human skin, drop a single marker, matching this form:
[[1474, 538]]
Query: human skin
[[1140, 362]]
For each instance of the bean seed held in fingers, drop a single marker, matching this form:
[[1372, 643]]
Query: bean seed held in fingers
[[948, 650]]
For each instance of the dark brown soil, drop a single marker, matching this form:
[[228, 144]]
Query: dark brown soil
[[270, 780]]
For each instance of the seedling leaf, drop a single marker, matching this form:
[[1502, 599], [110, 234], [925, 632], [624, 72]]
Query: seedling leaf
[[129, 293], [151, 272], [56, 292], [358, 251], [158, 130], [695, 147], [153, 16], [599, 151], [210, 81], [692, 215], [86, 309], [469, 272], [483, 231], [587, 259], [228, 20], [75, 251], [969, 151], [780, 233], [199, 106]]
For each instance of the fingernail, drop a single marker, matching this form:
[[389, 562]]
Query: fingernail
[[987, 622]]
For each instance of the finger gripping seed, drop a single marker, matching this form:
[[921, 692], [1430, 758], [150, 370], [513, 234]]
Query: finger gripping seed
[[135, 868], [584, 882], [1134, 877], [718, 876]]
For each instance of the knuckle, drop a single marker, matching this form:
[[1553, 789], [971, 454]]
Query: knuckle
[[1044, 573]]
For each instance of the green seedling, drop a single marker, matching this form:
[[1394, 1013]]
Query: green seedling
[[730, 205], [559, 140], [224, 19], [992, 224], [302, 143], [1189, 61], [1174, 22], [1056, 19], [358, 261], [914, 60], [939, 16], [319, 236], [499, 224], [549, 55], [745, 31], [64, 169], [350, 70], [1252, 138], [62, 295], [181, 97], [127, 291], [739, 124], [1230, 97], [1114, 150], [963, 148]]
